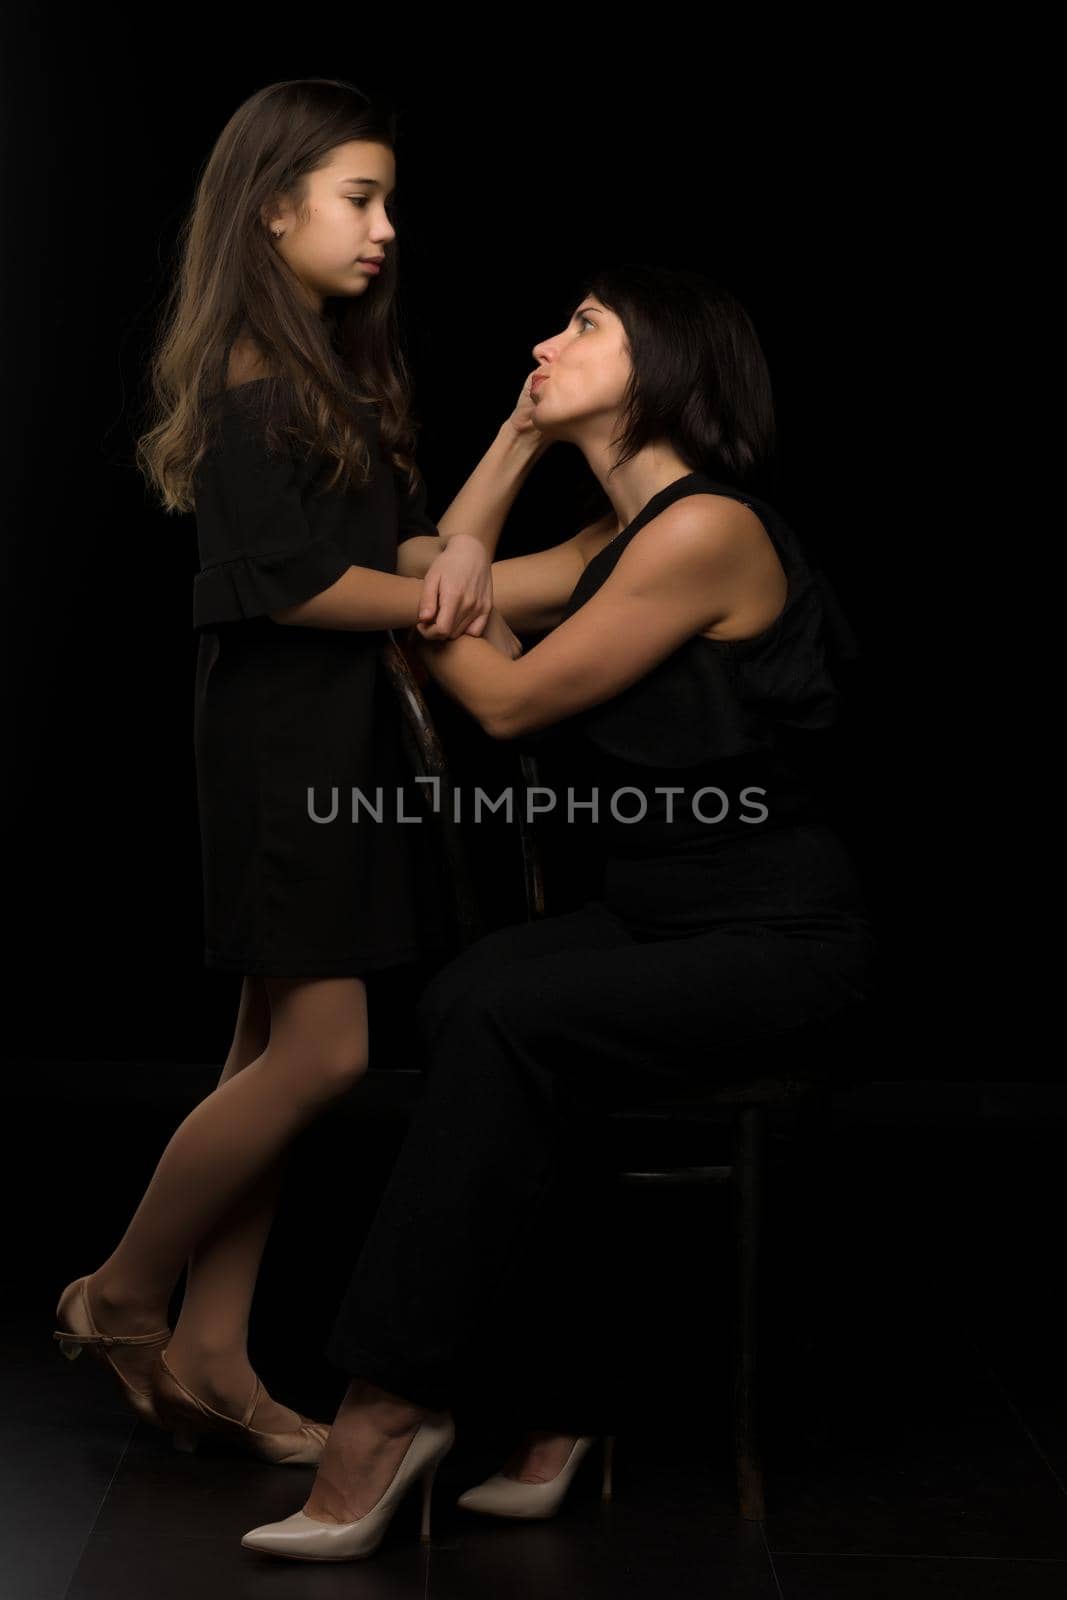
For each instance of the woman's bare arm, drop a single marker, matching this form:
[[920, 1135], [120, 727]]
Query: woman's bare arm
[[531, 591], [691, 568]]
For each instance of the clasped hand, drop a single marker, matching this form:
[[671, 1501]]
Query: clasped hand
[[457, 597]]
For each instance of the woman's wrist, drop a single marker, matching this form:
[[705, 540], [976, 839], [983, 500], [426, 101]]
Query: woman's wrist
[[483, 503], [521, 446]]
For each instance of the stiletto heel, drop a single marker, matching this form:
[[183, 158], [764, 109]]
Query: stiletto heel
[[609, 1451], [427, 1493], [501, 1496], [306, 1539]]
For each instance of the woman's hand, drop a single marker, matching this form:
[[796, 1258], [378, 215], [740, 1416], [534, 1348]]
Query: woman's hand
[[457, 591], [501, 637]]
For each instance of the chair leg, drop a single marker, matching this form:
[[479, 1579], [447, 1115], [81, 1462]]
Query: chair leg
[[750, 1132]]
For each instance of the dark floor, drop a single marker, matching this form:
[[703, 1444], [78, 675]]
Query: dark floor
[[913, 1407]]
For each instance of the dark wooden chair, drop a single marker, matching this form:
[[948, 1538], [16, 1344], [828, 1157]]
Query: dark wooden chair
[[798, 1069]]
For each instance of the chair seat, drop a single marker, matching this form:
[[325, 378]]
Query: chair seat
[[785, 1066], [690, 1102]]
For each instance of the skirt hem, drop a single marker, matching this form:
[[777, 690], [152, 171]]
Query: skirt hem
[[312, 966]]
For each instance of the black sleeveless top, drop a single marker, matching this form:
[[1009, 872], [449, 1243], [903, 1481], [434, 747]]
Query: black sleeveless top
[[733, 715]]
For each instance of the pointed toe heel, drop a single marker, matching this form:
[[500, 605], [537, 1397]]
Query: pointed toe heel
[[303, 1538], [501, 1496]]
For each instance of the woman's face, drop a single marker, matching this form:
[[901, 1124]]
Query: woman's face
[[346, 221], [587, 369]]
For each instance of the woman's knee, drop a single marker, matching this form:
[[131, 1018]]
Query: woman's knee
[[318, 1033], [494, 1006], [476, 969], [431, 1008], [454, 983]]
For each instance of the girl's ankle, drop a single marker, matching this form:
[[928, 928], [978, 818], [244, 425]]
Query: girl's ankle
[[114, 1303]]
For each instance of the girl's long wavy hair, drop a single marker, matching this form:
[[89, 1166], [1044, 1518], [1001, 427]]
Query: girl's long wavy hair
[[230, 282]]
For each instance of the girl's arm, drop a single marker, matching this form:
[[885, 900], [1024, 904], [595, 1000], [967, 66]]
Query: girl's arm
[[688, 569], [361, 598], [414, 555], [366, 598]]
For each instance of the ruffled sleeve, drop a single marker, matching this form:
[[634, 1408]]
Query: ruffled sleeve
[[413, 517], [258, 552]]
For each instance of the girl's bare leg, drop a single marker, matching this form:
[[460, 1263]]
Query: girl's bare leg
[[209, 1349], [213, 1194]]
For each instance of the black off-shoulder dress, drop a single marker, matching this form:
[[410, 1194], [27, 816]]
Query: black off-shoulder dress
[[290, 721]]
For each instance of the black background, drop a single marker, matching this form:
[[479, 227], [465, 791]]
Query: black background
[[862, 182]]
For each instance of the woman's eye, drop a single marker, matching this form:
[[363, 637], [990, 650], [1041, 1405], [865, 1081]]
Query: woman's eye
[[586, 320]]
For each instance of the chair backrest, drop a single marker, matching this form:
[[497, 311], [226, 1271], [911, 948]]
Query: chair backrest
[[426, 758], [533, 878]]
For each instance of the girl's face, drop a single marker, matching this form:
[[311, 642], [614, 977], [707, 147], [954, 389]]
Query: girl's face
[[587, 369], [346, 222]]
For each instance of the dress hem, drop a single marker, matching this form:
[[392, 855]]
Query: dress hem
[[310, 966]]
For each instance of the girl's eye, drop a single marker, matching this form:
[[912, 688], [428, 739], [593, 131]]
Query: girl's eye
[[586, 320], [361, 200]]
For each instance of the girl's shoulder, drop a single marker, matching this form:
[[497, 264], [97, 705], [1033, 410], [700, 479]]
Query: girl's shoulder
[[246, 363]]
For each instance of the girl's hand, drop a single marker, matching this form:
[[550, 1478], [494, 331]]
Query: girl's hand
[[457, 591], [501, 637]]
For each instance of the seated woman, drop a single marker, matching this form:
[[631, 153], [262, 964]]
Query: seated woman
[[684, 666]]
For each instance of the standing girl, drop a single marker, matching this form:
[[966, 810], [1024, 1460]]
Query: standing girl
[[283, 421]]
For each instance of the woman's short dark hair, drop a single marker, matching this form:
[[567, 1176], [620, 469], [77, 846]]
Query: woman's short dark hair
[[700, 379]]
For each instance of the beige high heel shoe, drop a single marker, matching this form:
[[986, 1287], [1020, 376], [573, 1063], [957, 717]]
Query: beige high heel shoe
[[188, 1417], [500, 1496], [305, 1539], [78, 1330]]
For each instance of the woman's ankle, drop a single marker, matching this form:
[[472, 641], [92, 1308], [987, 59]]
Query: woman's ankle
[[391, 1412]]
